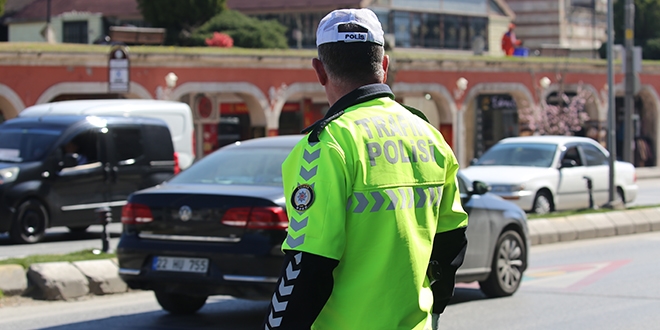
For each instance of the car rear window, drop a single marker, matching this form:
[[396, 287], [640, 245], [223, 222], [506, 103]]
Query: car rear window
[[237, 166]]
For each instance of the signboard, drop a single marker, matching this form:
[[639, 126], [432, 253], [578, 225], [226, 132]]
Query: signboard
[[118, 71]]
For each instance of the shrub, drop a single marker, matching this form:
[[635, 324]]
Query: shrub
[[246, 32]]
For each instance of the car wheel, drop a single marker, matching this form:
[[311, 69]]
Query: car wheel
[[542, 203], [181, 304], [620, 197], [30, 223], [78, 230], [507, 266]]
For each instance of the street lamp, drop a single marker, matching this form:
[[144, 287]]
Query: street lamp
[[170, 80], [461, 86], [170, 83], [544, 82]]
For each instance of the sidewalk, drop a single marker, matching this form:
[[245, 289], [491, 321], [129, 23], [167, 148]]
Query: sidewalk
[[577, 227], [647, 172]]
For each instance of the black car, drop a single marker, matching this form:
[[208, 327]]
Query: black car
[[57, 170], [217, 228]]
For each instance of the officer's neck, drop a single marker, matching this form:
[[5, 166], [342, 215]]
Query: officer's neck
[[336, 90]]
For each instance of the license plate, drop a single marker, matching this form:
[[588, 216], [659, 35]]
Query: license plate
[[175, 264]]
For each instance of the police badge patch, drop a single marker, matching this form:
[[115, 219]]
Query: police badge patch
[[302, 197]]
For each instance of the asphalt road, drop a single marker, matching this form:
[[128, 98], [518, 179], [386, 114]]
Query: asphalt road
[[59, 240], [603, 284]]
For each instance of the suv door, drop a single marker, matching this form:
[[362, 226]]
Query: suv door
[[128, 164], [77, 189]]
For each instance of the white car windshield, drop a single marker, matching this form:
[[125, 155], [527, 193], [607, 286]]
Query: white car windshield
[[519, 154]]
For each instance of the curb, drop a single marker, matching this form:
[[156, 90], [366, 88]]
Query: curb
[[63, 280], [70, 280], [594, 225]]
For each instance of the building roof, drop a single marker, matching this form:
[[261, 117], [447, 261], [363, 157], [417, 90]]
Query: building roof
[[274, 6], [36, 11]]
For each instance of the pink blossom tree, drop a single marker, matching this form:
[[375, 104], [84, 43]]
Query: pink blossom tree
[[563, 119]]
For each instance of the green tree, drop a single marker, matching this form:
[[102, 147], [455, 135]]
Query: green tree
[[2, 7], [179, 17], [247, 32], [647, 25]]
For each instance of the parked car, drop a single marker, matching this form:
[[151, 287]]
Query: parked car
[[542, 174], [217, 228], [57, 170], [177, 115]]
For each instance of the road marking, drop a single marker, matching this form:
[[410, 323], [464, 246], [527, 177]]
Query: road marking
[[564, 277], [570, 277]]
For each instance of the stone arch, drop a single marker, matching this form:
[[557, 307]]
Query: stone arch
[[137, 90], [254, 98], [518, 91], [650, 121], [444, 103], [295, 90], [10, 103]]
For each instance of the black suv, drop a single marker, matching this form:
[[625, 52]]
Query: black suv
[[57, 170]]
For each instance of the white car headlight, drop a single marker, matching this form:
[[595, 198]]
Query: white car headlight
[[8, 175], [506, 188]]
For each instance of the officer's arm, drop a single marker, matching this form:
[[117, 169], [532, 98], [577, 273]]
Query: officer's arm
[[303, 289], [449, 244], [317, 185], [447, 256]]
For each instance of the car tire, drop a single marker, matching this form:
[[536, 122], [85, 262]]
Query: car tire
[[620, 197], [542, 203], [180, 304], [509, 262], [30, 223]]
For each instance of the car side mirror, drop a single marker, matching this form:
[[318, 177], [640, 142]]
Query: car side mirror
[[479, 188], [568, 163]]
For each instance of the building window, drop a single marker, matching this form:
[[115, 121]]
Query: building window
[[75, 32]]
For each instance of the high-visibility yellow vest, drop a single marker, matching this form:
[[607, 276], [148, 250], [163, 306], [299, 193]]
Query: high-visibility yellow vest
[[372, 193]]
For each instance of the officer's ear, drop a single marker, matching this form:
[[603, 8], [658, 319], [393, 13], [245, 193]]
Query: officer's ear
[[386, 65], [320, 71]]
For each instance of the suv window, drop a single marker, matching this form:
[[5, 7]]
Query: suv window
[[128, 143], [593, 156], [85, 145]]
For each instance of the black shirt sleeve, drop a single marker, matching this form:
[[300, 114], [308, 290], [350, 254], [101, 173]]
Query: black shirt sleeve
[[448, 253], [302, 290]]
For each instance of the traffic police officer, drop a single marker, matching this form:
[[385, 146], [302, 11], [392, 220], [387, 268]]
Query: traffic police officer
[[376, 230]]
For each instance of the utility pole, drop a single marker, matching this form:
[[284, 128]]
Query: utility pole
[[611, 114], [629, 101]]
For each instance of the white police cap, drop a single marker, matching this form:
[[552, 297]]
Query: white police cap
[[328, 30]]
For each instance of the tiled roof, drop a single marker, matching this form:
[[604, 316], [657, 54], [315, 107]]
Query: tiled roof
[[36, 11], [255, 6]]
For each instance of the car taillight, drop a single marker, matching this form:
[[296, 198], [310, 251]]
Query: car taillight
[[272, 217], [133, 213], [177, 168]]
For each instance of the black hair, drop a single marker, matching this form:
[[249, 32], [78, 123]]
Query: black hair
[[352, 62]]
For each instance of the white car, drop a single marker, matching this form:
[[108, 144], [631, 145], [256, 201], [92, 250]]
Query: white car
[[551, 173]]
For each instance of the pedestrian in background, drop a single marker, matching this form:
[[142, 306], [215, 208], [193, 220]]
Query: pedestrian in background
[[373, 199], [509, 41]]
